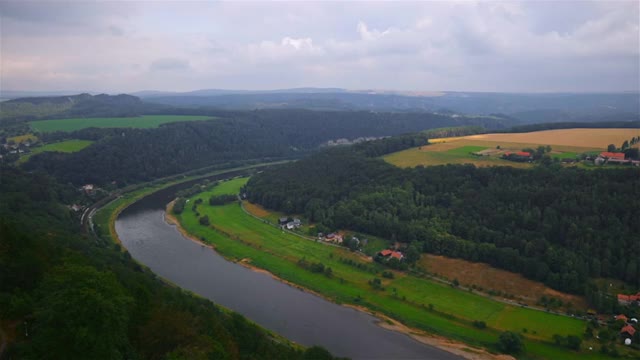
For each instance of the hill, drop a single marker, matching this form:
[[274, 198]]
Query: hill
[[84, 105], [549, 223], [58, 286], [527, 108]]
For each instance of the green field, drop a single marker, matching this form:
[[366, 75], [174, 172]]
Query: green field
[[144, 121], [66, 146], [466, 150], [239, 236]]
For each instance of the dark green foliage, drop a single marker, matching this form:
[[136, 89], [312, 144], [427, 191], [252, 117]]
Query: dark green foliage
[[387, 274], [84, 309], [479, 324], [222, 199], [204, 220], [134, 155], [79, 297], [178, 205], [557, 225], [510, 343], [572, 342], [376, 283]]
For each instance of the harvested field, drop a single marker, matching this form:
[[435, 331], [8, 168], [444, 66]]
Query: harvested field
[[486, 149], [598, 138], [490, 278]]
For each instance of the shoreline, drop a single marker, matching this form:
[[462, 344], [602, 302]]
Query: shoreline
[[463, 350]]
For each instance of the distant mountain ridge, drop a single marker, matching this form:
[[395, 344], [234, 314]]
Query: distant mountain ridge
[[81, 105], [532, 107]]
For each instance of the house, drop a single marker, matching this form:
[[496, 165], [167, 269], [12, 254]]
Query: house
[[290, 226], [283, 220], [627, 331], [76, 207], [523, 153], [629, 299], [612, 155], [297, 222], [334, 237], [388, 254], [621, 317]]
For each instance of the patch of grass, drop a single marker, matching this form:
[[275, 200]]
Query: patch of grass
[[66, 146], [239, 236], [565, 155], [466, 150], [145, 121]]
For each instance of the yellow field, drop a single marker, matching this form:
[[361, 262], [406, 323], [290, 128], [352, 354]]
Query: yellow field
[[566, 143], [599, 138], [22, 138]]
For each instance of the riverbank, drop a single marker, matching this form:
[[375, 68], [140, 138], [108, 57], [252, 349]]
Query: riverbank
[[458, 348]]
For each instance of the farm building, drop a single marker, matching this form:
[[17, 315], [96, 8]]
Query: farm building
[[388, 254], [627, 331], [334, 237], [283, 220], [621, 317], [612, 155], [629, 299]]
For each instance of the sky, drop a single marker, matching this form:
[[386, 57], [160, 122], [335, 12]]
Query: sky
[[512, 46]]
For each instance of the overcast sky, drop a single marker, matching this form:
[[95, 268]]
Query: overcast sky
[[519, 46]]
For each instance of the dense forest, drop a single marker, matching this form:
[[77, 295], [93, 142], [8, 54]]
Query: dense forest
[[561, 226], [70, 296], [133, 155]]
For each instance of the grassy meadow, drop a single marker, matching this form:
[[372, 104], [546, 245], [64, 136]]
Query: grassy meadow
[[144, 121], [415, 301], [66, 146]]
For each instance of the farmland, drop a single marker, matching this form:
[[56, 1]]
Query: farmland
[[416, 301], [144, 121], [486, 149], [593, 138], [490, 279], [62, 146]]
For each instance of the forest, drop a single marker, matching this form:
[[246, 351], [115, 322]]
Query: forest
[[562, 226], [133, 155], [58, 286]]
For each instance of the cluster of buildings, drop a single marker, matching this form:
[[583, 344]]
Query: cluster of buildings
[[289, 225], [628, 330]]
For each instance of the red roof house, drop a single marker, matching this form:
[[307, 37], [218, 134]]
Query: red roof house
[[523, 153], [621, 317], [628, 330], [627, 299], [612, 155], [386, 252]]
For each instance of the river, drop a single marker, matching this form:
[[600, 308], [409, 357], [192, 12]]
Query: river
[[295, 314]]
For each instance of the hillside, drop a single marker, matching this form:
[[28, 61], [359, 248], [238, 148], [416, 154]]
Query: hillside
[[526, 108], [59, 286], [511, 216], [32, 108]]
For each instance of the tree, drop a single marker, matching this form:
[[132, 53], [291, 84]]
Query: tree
[[84, 309], [510, 342], [611, 148], [412, 254], [204, 220]]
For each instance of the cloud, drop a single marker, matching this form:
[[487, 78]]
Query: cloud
[[169, 64], [481, 46]]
